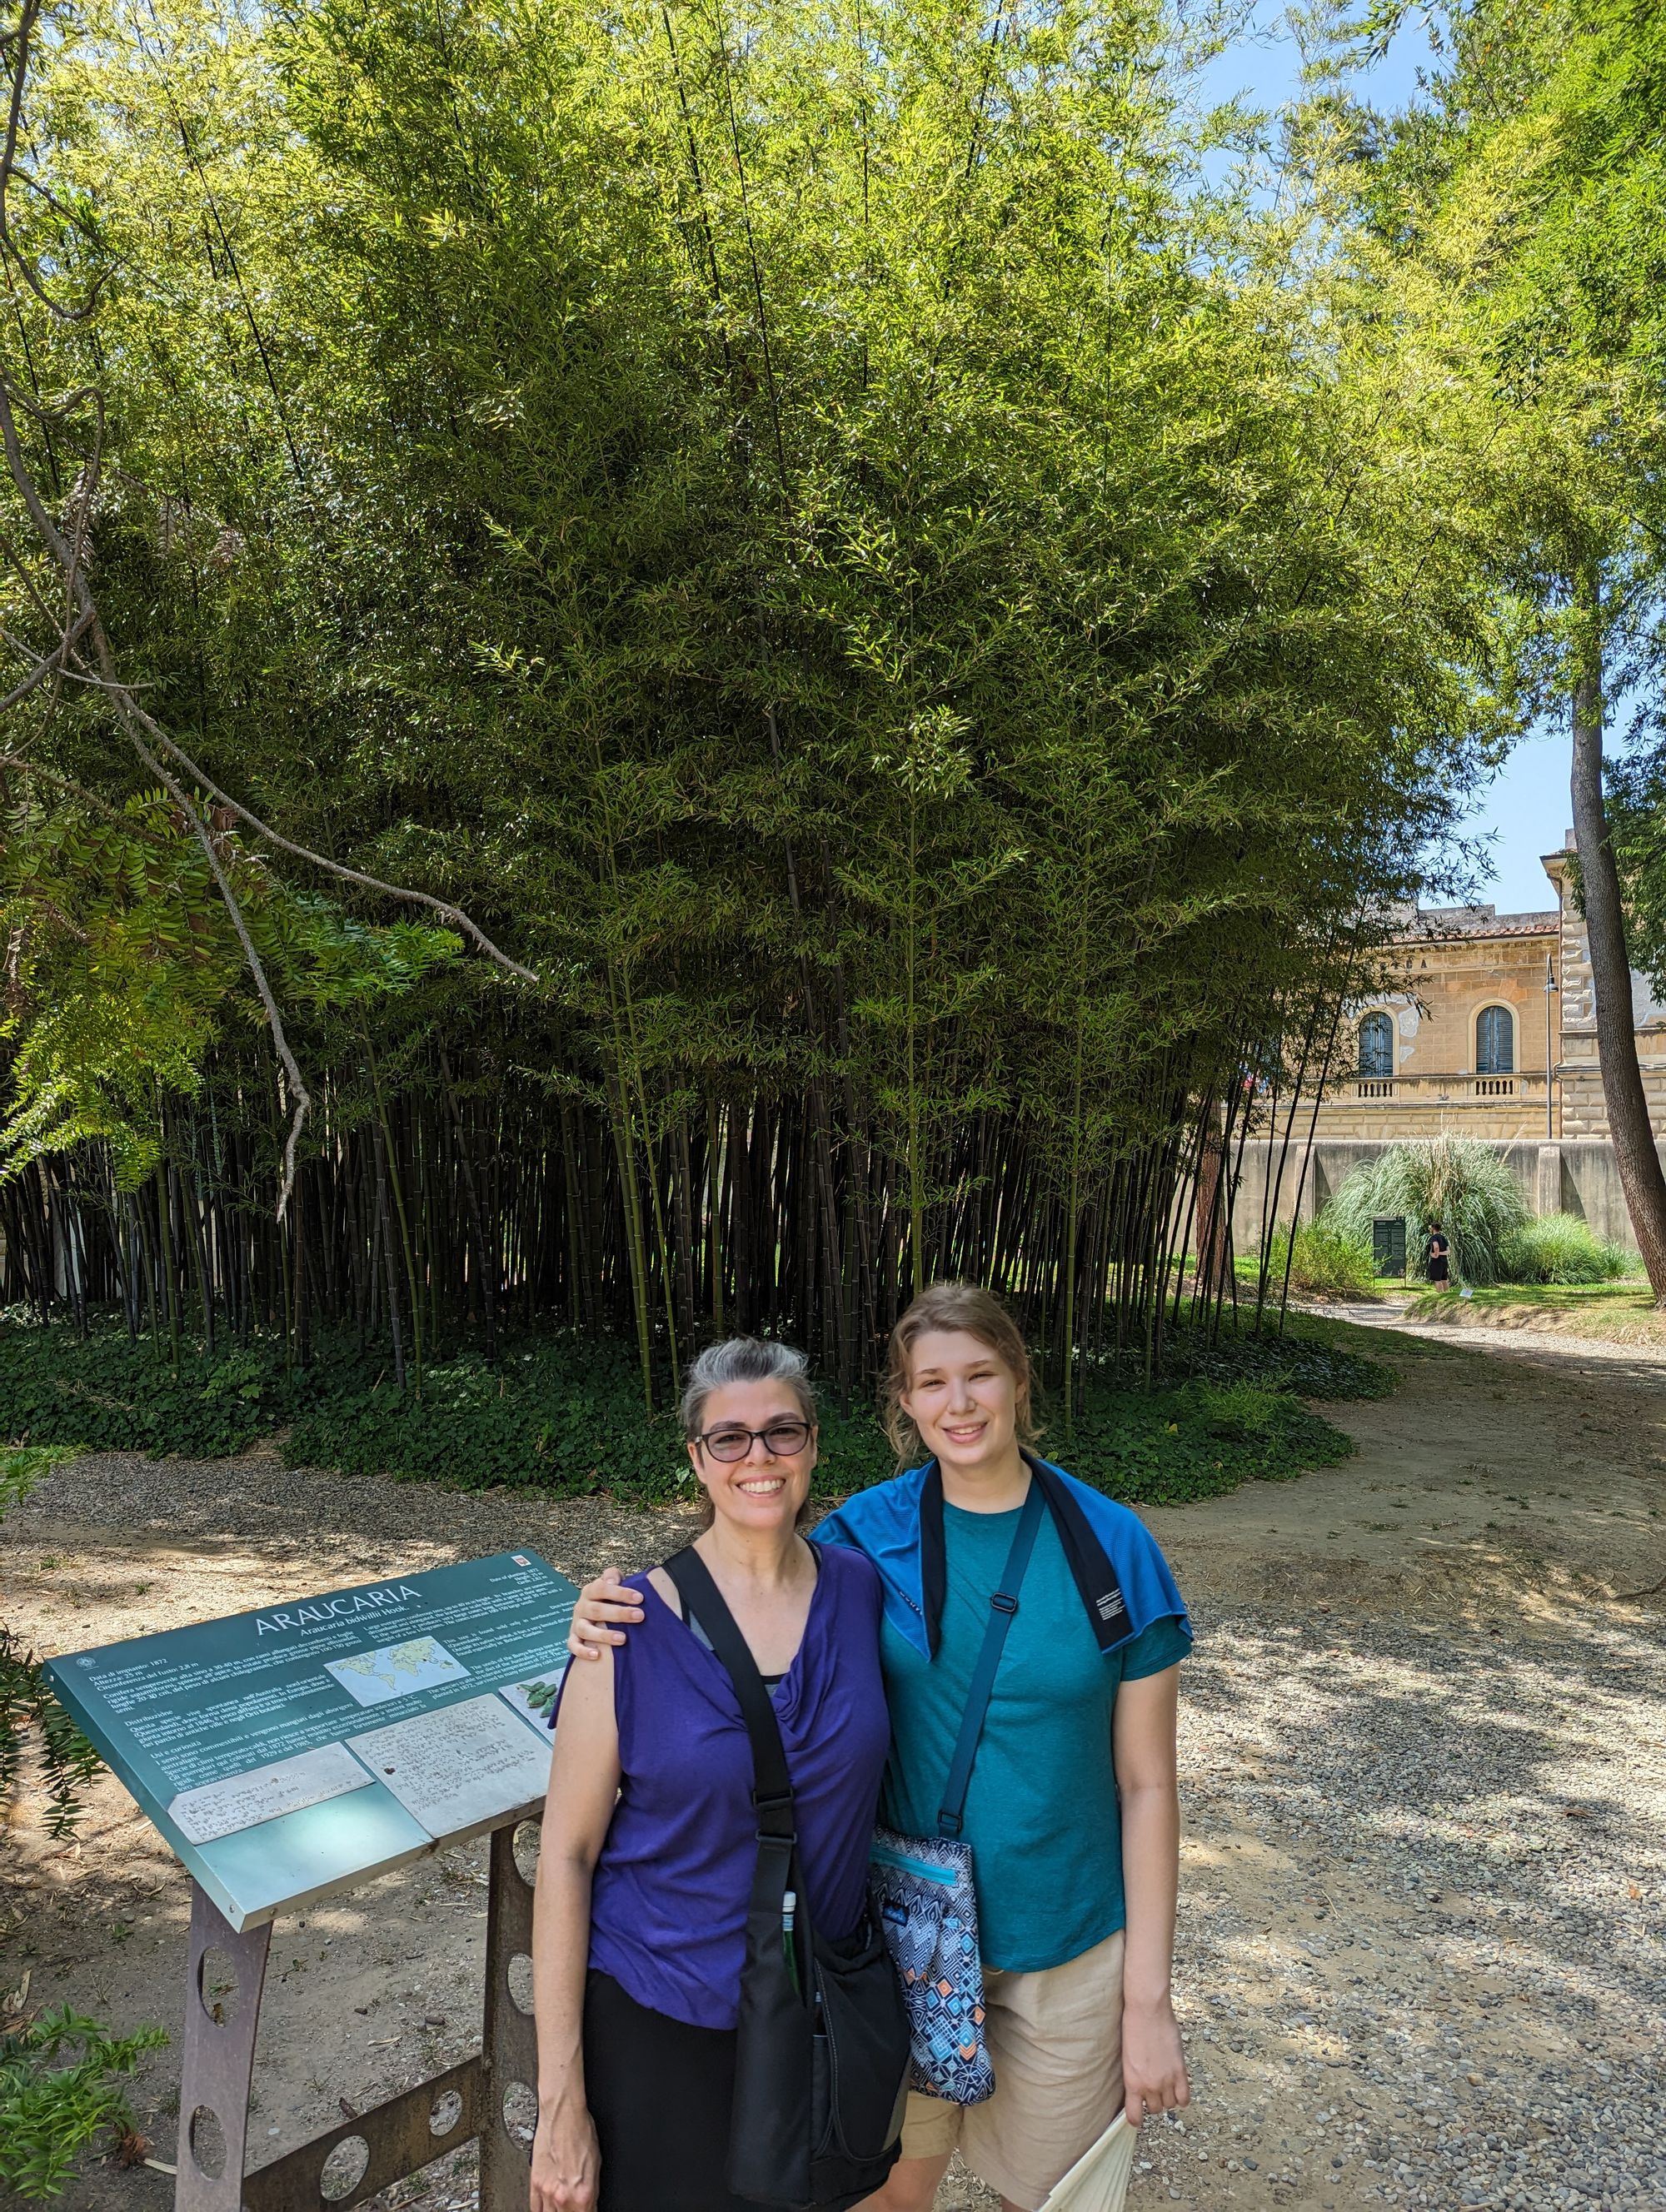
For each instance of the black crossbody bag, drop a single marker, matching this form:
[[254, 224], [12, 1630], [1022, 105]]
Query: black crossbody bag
[[822, 2051]]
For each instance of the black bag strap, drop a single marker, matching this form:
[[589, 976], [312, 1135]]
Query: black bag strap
[[772, 1787], [1003, 1604]]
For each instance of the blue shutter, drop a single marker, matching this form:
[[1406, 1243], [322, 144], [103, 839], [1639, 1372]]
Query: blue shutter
[[1376, 1046], [1495, 1042]]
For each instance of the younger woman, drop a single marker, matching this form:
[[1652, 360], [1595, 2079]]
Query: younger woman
[[1072, 1813]]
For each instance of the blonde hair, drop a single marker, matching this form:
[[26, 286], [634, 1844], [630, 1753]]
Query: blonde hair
[[945, 1307]]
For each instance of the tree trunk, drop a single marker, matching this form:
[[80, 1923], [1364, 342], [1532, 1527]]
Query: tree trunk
[[385, 1237], [1210, 1263], [485, 1250], [1634, 1154]]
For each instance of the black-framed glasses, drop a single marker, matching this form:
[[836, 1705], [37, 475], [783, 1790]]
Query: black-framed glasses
[[781, 1439]]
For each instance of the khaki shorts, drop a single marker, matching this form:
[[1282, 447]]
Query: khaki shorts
[[1056, 2041]]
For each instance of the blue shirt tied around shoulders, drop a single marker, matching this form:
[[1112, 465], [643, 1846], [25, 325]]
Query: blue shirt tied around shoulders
[[1099, 1608]]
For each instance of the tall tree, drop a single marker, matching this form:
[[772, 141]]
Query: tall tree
[[1530, 200], [923, 623]]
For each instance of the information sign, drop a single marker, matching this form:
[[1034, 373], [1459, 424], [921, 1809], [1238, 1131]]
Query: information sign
[[1388, 1244], [290, 1751]]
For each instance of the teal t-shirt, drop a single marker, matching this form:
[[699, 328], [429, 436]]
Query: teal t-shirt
[[1042, 1813]]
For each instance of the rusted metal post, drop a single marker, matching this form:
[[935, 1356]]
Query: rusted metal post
[[509, 2056], [492, 2098], [218, 2061]]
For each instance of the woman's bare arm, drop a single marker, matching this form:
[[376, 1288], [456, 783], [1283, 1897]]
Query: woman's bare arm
[[584, 1785], [1143, 1746]]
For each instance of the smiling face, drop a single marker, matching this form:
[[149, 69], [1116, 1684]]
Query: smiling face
[[766, 1490], [963, 1398]]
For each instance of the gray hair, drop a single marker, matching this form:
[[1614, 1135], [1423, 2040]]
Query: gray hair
[[745, 1359]]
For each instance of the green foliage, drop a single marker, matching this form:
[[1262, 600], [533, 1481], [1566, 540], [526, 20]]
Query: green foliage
[[1637, 818], [1463, 1185], [1198, 1440], [1560, 1247], [1328, 1258], [23, 1465], [841, 544], [35, 1731], [60, 2089], [49, 2112], [125, 966], [1513, 220], [111, 1394], [1305, 1357], [565, 1416]]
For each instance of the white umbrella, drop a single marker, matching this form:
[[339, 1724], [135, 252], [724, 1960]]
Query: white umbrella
[[1099, 2182]]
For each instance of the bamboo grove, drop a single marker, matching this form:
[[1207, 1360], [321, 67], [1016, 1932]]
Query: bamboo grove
[[934, 632]]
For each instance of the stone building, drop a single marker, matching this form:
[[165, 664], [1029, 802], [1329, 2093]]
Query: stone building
[[1464, 1044], [1487, 1029]]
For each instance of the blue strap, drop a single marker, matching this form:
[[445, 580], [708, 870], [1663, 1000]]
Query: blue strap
[[1003, 1604]]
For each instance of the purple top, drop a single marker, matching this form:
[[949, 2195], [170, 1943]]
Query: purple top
[[668, 1905]]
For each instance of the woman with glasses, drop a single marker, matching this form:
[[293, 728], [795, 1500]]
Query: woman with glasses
[[1072, 1811], [649, 1832]]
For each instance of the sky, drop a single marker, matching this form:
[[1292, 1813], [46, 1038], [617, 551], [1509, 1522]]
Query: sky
[[1264, 65], [1523, 811]]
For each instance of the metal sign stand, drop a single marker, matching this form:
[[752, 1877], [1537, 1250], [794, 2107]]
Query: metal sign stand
[[466, 2103]]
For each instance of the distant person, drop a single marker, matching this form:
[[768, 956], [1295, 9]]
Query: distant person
[[1438, 1260]]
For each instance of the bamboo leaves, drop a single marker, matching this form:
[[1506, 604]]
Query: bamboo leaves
[[901, 605]]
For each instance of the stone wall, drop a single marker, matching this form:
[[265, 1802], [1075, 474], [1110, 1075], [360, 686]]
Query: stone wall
[[1576, 1174]]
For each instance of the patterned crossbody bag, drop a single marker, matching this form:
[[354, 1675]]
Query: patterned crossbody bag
[[920, 1887]]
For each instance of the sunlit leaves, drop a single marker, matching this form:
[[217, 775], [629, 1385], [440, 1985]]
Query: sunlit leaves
[[125, 966], [815, 524]]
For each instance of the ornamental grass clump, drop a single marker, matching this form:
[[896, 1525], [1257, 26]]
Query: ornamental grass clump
[[1560, 1247], [1463, 1186], [1329, 1257]]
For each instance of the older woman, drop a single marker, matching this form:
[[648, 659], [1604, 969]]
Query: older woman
[[650, 1834]]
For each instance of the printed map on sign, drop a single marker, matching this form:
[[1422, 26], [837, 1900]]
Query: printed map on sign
[[374, 1677], [245, 1741]]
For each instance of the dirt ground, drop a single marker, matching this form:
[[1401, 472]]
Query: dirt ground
[[1420, 1958]]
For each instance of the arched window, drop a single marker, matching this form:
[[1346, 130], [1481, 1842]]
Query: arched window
[[1377, 1045], [1495, 1042]]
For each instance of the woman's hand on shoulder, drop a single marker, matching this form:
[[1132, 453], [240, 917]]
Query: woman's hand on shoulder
[[1153, 2062], [566, 2162], [601, 1603]]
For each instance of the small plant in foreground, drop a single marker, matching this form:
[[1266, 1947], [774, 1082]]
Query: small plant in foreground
[[1328, 1258], [34, 1726], [49, 2113], [55, 2099]]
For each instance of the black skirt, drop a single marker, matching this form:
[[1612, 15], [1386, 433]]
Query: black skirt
[[660, 2093]]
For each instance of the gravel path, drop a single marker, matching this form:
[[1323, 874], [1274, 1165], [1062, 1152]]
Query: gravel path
[[1422, 1949], [1637, 1343], [1445, 1982]]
